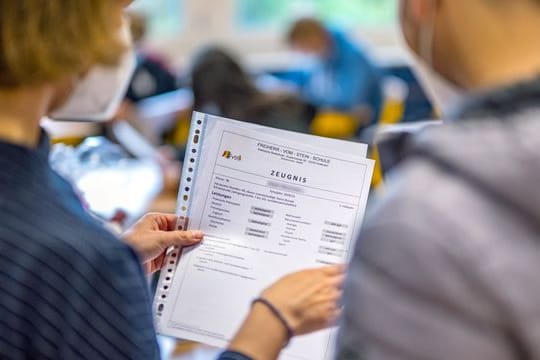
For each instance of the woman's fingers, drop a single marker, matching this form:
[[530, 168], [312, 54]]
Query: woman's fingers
[[181, 238], [334, 270], [155, 233], [334, 317]]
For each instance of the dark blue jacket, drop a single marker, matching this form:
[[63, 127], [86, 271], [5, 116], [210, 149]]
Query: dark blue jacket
[[68, 288]]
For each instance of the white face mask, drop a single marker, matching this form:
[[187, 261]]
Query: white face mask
[[444, 95], [98, 95], [306, 61]]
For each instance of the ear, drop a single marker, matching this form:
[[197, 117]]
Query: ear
[[60, 92], [422, 10], [413, 14]]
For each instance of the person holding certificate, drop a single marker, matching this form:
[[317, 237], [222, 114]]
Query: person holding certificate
[[69, 289]]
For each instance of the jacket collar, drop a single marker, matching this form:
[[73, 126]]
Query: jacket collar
[[500, 103], [13, 152]]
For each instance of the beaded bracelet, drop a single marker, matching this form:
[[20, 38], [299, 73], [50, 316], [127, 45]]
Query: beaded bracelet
[[278, 315]]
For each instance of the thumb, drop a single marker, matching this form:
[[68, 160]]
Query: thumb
[[180, 238]]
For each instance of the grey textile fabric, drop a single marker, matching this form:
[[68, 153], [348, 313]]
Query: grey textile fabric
[[448, 263]]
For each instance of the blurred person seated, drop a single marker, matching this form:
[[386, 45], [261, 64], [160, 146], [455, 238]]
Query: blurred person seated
[[340, 77], [222, 87], [152, 76], [447, 262]]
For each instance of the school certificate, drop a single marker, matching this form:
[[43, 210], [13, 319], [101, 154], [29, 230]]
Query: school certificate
[[270, 203]]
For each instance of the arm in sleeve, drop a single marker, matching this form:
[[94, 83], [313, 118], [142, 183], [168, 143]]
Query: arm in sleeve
[[110, 310], [233, 355], [356, 83], [347, 83]]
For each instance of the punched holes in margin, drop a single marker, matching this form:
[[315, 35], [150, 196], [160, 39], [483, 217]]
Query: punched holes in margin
[[180, 227], [199, 122], [186, 198], [161, 307], [196, 141]]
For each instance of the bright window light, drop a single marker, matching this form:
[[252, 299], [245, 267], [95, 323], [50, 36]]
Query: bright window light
[[348, 13], [165, 16]]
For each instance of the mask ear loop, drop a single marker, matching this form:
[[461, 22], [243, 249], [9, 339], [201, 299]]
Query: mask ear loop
[[425, 40]]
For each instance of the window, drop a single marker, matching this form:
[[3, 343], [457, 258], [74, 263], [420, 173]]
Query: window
[[349, 13], [164, 16]]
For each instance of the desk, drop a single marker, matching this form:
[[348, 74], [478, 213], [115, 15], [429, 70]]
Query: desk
[[130, 185], [158, 114]]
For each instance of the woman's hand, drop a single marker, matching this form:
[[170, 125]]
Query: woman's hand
[[308, 301], [154, 234]]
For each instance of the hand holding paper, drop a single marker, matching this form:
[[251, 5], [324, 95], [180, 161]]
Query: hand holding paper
[[152, 235], [308, 300]]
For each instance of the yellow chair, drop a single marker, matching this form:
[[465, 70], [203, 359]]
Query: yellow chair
[[71, 134], [395, 92], [334, 124]]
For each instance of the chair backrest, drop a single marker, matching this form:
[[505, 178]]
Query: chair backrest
[[395, 92]]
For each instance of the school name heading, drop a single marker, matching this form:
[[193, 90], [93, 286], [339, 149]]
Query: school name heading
[[293, 153]]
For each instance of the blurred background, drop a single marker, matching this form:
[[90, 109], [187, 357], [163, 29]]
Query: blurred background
[[255, 29], [335, 68]]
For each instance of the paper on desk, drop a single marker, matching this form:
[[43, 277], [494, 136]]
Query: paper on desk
[[268, 206]]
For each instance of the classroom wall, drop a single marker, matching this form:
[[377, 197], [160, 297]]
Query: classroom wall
[[213, 21]]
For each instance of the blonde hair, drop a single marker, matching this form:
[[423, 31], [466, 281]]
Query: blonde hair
[[43, 41]]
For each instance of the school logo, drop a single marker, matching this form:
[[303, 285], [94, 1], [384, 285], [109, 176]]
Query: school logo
[[229, 156]]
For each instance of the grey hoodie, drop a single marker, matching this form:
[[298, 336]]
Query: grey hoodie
[[448, 263]]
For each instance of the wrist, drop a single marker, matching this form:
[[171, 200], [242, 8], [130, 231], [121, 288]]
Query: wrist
[[278, 314], [278, 331], [262, 336], [285, 310]]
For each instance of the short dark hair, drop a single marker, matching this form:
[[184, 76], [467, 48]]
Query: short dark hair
[[138, 25], [304, 28]]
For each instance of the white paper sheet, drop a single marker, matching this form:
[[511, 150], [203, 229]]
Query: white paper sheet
[[269, 206]]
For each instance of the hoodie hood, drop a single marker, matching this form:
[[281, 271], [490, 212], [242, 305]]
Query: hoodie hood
[[495, 146]]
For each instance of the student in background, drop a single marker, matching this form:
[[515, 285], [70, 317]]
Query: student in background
[[152, 77], [222, 87], [342, 77], [69, 289], [447, 264]]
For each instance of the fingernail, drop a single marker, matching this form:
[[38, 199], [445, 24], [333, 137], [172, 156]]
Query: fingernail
[[198, 234]]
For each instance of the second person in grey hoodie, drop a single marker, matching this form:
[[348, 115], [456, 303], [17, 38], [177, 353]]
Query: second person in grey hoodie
[[448, 263]]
